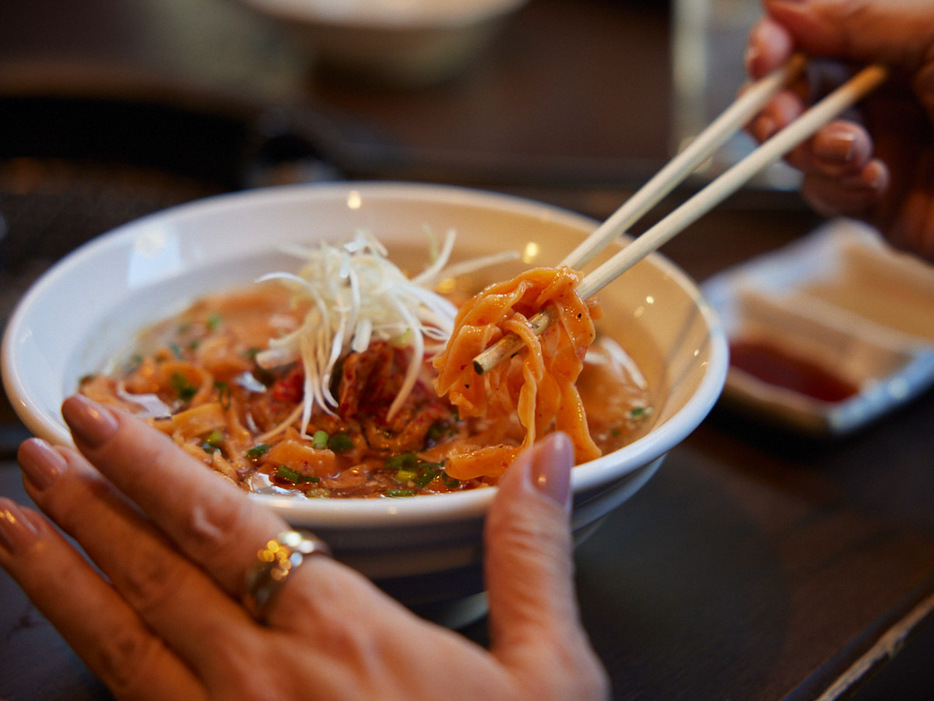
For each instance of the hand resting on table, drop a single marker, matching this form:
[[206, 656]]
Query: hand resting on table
[[175, 542]]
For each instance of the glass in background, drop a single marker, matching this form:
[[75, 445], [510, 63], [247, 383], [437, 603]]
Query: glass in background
[[708, 44]]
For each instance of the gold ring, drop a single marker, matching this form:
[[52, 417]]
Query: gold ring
[[274, 563]]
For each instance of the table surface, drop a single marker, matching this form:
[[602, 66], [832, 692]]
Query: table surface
[[755, 564]]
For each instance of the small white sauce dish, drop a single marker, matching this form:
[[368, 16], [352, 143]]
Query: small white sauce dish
[[842, 300]]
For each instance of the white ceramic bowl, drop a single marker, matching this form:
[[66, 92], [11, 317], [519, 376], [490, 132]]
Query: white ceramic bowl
[[411, 43], [424, 550]]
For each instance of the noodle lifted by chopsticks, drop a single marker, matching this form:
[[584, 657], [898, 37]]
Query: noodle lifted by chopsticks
[[539, 385]]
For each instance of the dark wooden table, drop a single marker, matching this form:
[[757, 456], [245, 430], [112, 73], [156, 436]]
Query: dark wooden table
[[754, 565]]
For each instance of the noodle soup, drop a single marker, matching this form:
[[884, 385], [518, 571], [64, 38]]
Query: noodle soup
[[427, 550], [198, 377]]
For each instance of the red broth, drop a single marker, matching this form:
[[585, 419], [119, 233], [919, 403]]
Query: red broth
[[195, 377], [783, 369]]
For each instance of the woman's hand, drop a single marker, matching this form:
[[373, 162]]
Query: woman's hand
[[878, 166], [174, 543]]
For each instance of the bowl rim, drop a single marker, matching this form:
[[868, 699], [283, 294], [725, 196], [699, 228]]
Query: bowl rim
[[363, 513]]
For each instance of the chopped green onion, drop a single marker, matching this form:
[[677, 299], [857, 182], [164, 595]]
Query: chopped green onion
[[257, 451], [340, 442], [213, 441], [214, 320], [450, 482], [287, 473], [182, 386], [402, 460], [319, 441], [426, 473], [410, 469], [639, 412], [405, 476], [401, 492]]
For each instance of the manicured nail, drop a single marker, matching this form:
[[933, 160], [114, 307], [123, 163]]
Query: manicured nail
[[551, 468], [836, 145], [16, 532], [89, 422], [41, 462], [876, 176]]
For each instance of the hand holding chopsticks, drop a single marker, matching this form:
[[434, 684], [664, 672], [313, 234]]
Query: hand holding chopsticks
[[731, 121]]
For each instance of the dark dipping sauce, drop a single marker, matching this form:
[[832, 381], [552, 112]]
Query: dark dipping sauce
[[778, 367]]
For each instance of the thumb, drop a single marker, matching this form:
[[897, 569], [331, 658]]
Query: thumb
[[534, 621], [894, 32]]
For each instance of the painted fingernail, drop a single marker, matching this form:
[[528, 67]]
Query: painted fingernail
[[551, 468], [16, 532], [876, 175], [41, 462], [89, 422], [836, 145]]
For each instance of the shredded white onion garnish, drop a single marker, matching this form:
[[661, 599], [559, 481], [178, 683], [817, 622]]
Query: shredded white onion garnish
[[358, 296], [151, 407]]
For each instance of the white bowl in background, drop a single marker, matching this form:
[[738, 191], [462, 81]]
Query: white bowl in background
[[410, 43], [425, 550]]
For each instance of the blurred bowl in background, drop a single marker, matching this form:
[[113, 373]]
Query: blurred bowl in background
[[402, 43]]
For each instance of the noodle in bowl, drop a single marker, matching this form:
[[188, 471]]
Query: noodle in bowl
[[425, 550]]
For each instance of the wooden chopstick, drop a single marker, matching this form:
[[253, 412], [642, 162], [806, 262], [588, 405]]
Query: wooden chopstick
[[713, 194]]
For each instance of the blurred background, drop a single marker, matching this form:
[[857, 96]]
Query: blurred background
[[112, 109]]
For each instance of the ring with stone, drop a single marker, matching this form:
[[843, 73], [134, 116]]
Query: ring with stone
[[274, 563]]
